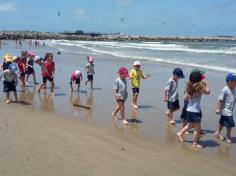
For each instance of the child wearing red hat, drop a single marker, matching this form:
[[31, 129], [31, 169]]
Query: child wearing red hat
[[121, 94]]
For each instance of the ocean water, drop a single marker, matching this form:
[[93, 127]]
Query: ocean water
[[210, 55]]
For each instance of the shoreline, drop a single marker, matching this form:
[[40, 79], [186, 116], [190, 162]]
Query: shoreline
[[24, 35]]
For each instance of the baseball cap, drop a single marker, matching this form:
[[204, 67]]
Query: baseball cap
[[200, 70], [77, 73], [37, 58], [14, 58], [231, 77], [195, 77], [7, 58], [136, 63], [178, 72], [123, 71], [12, 67]]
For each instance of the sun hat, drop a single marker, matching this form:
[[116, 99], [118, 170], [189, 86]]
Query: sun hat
[[14, 58], [37, 58], [123, 71], [200, 70], [31, 53], [231, 77], [12, 67], [77, 73], [195, 77], [7, 58], [90, 59], [137, 63], [178, 72]]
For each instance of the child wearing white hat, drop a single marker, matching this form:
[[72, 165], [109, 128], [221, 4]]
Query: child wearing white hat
[[76, 78]]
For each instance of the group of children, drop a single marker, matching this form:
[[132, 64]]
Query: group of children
[[196, 86], [191, 116]]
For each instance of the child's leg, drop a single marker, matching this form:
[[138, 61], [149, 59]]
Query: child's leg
[[218, 131], [40, 87], [196, 135], [228, 135], [91, 84], [78, 87], [27, 77], [71, 86], [7, 97], [183, 130], [52, 87], [117, 108]]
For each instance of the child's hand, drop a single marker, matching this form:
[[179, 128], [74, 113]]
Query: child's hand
[[217, 111], [165, 99], [117, 97], [148, 76]]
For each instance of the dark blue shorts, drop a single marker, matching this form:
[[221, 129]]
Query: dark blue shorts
[[173, 105], [90, 77], [135, 90], [183, 115], [194, 117], [9, 86], [123, 101], [29, 70], [47, 78], [227, 121]]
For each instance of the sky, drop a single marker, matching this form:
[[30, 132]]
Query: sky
[[138, 17]]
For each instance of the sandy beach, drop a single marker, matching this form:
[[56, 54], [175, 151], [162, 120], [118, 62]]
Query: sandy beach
[[51, 137]]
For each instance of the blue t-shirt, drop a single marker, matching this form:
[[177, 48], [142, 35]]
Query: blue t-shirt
[[227, 98]]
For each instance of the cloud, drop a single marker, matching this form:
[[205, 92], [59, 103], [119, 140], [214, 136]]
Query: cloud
[[124, 2], [80, 15], [6, 7]]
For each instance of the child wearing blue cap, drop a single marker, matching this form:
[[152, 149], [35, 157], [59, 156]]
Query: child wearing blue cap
[[171, 95], [10, 82], [225, 107]]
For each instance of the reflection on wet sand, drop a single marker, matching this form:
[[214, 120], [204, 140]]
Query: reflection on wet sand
[[27, 95], [89, 103], [46, 102], [133, 124]]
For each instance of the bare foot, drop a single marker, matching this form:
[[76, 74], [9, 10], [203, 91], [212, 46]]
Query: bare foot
[[51, 93], [219, 136], [114, 116], [8, 102], [197, 145], [187, 133], [172, 122], [228, 140], [180, 137], [125, 122]]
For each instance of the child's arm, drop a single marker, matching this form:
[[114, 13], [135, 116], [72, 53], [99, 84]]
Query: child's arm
[[144, 77], [16, 79], [27, 65], [166, 95], [186, 97], [206, 89], [218, 106]]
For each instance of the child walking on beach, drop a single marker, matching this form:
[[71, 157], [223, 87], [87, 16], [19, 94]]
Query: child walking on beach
[[225, 107], [135, 75], [10, 82], [22, 69], [171, 95], [195, 87], [76, 78], [121, 94], [47, 73], [90, 70], [30, 67]]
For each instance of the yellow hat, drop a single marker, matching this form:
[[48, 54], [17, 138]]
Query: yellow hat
[[8, 58]]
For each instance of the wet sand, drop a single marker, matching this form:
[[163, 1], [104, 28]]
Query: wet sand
[[51, 137]]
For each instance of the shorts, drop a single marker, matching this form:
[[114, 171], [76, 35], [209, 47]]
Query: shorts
[[90, 77], [22, 74], [227, 121], [123, 101], [183, 115], [173, 105], [29, 71], [77, 81], [194, 117], [135, 90], [47, 78], [9, 86]]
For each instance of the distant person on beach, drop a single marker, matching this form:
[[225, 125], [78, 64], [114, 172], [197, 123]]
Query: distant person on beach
[[90, 70], [171, 95], [10, 82], [196, 86], [135, 75], [22, 69], [48, 73], [183, 115], [76, 78], [225, 107], [121, 94], [30, 67]]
